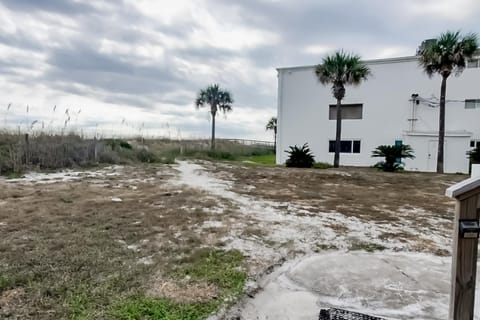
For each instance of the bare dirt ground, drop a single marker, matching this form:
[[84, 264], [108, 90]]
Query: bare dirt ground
[[72, 245], [350, 207]]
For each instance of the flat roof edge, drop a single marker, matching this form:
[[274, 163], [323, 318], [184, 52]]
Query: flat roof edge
[[372, 61], [463, 187]]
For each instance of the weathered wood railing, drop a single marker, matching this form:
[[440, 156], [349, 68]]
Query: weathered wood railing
[[465, 248]]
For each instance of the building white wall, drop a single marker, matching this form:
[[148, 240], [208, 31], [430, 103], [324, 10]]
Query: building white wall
[[303, 109]]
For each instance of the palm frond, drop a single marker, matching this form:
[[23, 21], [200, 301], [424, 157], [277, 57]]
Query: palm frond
[[342, 69], [448, 53], [271, 124], [215, 97]]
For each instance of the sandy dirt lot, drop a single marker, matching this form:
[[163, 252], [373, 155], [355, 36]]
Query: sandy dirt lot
[[76, 244]]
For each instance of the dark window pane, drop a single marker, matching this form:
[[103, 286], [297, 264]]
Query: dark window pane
[[472, 103], [472, 144], [356, 146], [349, 111], [478, 144], [331, 146], [346, 146]]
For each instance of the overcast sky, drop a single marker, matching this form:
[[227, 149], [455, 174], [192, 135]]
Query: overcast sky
[[133, 65]]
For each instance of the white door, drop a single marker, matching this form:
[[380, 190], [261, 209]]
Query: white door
[[432, 154]]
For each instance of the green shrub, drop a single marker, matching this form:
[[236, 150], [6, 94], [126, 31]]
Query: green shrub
[[392, 155], [124, 144], [474, 155], [300, 157], [118, 143], [144, 155], [389, 167]]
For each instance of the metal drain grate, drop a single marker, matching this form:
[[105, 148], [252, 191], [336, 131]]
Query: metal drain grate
[[339, 314]]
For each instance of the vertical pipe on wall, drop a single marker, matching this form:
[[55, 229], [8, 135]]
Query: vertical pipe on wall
[[279, 118]]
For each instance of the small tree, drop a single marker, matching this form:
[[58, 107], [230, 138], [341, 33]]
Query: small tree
[[217, 99], [272, 125], [339, 70], [392, 154], [300, 157]]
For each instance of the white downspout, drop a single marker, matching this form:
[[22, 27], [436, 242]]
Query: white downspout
[[279, 118]]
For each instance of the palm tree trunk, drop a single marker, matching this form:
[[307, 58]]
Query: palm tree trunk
[[338, 136], [441, 126], [275, 142], [212, 143]]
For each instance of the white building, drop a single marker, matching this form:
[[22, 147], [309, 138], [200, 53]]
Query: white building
[[381, 111]]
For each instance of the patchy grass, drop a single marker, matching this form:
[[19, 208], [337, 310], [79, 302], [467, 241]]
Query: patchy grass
[[68, 251], [322, 165], [73, 253], [14, 175], [324, 247], [367, 246], [264, 159], [217, 267], [350, 191], [221, 268], [140, 308]]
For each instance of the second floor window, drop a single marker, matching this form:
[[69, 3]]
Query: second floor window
[[349, 111]]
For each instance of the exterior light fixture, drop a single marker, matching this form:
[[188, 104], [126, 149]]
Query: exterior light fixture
[[469, 229], [415, 98]]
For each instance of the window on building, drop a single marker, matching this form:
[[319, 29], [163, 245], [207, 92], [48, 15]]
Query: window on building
[[346, 146], [472, 104], [473, 63], [475, 144], [349, 111], [356, 146]]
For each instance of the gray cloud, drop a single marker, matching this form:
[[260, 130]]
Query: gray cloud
[[57, 6], [69, 57]]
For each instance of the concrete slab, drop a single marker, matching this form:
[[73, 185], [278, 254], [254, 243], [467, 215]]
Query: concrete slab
[[389, 285]]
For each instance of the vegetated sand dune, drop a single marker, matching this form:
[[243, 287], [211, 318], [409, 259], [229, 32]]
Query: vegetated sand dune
[[133, 230]]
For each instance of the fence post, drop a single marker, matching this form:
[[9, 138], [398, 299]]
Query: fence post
[[465, 246]]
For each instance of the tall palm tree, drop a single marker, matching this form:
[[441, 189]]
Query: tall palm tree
[[272, 125], [341, 69], [217, 99], [446, 55]]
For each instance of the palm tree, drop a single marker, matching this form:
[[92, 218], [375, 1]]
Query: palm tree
[[217, 99], [341, 69], [392, 154], [272, 125], [446, 55]]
